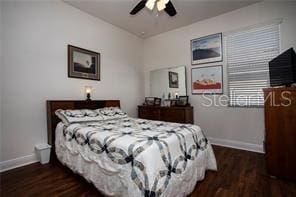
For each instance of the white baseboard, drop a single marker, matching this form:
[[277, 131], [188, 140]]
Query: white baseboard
[[237, 145], [17, 162]]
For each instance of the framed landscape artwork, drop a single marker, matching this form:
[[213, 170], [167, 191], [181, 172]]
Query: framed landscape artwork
[[173, 80], [207, 49], [82, 63], [207, 80]]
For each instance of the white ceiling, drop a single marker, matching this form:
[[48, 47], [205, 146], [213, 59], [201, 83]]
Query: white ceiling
[[146, 23]]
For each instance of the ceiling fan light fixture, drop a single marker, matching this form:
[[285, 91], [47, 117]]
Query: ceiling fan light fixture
[[165, 5], [160, 5], [150, 4]]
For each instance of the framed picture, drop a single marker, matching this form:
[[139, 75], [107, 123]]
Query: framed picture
[[207, 80], [83, 64], [173, 102], [157, 101], [173, 80], [182, 101], [207, 49], [167, 103], [149, 101]]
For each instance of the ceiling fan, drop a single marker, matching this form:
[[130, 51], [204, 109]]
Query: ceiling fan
[[165, 5]]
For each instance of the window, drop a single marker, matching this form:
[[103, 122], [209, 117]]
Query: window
[[248, 53]]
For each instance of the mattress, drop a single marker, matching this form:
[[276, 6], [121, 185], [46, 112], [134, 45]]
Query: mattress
[[136, 157]]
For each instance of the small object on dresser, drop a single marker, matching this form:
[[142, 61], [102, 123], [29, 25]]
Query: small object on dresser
[[163, 100], [182, 101], [176, 95], [173, 102], [167, 103], [149, 101], [157, 101], [88, 90]]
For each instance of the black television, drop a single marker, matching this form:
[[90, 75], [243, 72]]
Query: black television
[[282, 69]]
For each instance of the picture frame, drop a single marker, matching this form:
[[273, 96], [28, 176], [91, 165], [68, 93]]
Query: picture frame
[[149, 101], [182, 101], [173, 102], [83, 63], [167, 103], [173, 80], [207, 49], [207, 80], [157, 101]]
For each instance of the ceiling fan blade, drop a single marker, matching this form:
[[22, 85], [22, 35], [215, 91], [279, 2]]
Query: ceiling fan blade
[[170, 9], [138, 7]]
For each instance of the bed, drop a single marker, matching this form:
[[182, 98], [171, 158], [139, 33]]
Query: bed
[[124, 156]]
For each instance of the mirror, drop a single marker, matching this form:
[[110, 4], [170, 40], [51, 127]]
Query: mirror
[[168, 81]]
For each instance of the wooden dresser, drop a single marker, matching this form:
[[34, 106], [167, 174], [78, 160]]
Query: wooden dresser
[[168, 114], [280, 132]]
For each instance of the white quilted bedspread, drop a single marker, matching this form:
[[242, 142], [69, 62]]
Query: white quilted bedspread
[[136, 157]]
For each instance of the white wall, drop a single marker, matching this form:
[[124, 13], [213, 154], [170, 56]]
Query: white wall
[[35, 38], [238, 127]]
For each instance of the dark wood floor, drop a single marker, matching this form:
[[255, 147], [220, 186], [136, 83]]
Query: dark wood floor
[[240, 173]]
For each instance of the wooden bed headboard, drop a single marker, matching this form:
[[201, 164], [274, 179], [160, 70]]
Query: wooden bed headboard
[[53, 120]]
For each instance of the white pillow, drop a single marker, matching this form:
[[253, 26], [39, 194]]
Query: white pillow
[[109, 113], [78, 116]]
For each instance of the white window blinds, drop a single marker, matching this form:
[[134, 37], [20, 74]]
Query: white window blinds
[[248, 53]]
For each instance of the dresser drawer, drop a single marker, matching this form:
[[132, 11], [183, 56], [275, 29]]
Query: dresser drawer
[[168, 114], [149, 113], [172, 115]]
